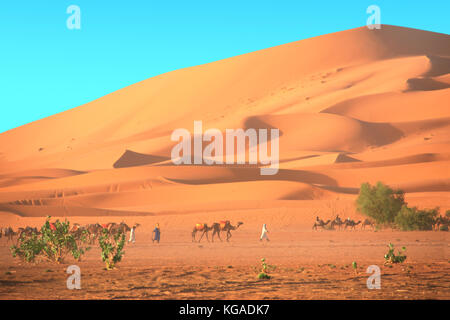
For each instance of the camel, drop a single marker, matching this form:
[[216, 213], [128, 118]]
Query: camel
[[27, 231], [78, 231], [337, 222], [224, 226], [367, 222], [94, 230], [320, 223], [9, 234], [203, 228], [440, 221], [122, 227], [350, 223]]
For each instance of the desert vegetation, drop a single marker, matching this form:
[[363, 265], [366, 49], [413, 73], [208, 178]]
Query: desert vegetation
[[390, 257], [53, 242], [112, 244], [388, 208]]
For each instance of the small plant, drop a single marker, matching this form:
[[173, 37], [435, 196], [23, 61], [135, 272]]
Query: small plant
[[263, 274], [390, 257], [112, 248], [355, 266]]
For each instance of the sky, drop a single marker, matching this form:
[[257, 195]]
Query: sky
[[47, 68]]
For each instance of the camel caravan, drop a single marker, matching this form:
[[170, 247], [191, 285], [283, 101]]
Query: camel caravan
[[337, 222], [93, 230], [216, 228], [441, 221]]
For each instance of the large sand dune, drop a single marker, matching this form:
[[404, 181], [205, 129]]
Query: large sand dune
[[354, 106]]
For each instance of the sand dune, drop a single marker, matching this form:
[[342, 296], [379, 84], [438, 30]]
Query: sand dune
[[377, 108]]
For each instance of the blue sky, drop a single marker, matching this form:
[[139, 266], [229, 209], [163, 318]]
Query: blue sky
[[45, 68]]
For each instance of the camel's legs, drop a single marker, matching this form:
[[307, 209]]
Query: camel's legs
[[205, 231], [218, 234], [201, 237]]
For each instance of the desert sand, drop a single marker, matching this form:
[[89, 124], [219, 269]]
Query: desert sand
[[354, 106]]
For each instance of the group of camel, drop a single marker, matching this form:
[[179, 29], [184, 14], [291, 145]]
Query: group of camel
[[438, 222], [339, 223], [9, 233], [216, 227], [93, 230], [441, 221]]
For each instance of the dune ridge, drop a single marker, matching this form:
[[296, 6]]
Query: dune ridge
[[377, 108]]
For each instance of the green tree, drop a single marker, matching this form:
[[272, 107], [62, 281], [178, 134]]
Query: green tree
[[380, 202], [415, 219]]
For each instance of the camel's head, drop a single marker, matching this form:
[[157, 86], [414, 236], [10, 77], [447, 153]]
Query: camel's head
[[239, 223]]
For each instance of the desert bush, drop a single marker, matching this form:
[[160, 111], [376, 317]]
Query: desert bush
[[355, 266], [380, 202], [53, 243], [263, 274], [390, 257], [58, 241], [414, 219], [112, 248], [27, 248]]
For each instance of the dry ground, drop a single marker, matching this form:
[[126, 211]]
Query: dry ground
[[308, 265]]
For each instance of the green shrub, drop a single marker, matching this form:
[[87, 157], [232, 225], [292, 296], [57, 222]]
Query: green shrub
[[263, 274], [414, 219], [112, 248], [354, 266], [390, 257], [443, 228], [27, 248], [53, 243], [58, 241], [380, 202]]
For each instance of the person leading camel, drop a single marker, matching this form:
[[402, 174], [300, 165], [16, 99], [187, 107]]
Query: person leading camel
[[157, 234], [133, 234], [264, 233]]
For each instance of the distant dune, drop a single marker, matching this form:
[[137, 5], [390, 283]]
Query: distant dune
[[353, 106]]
